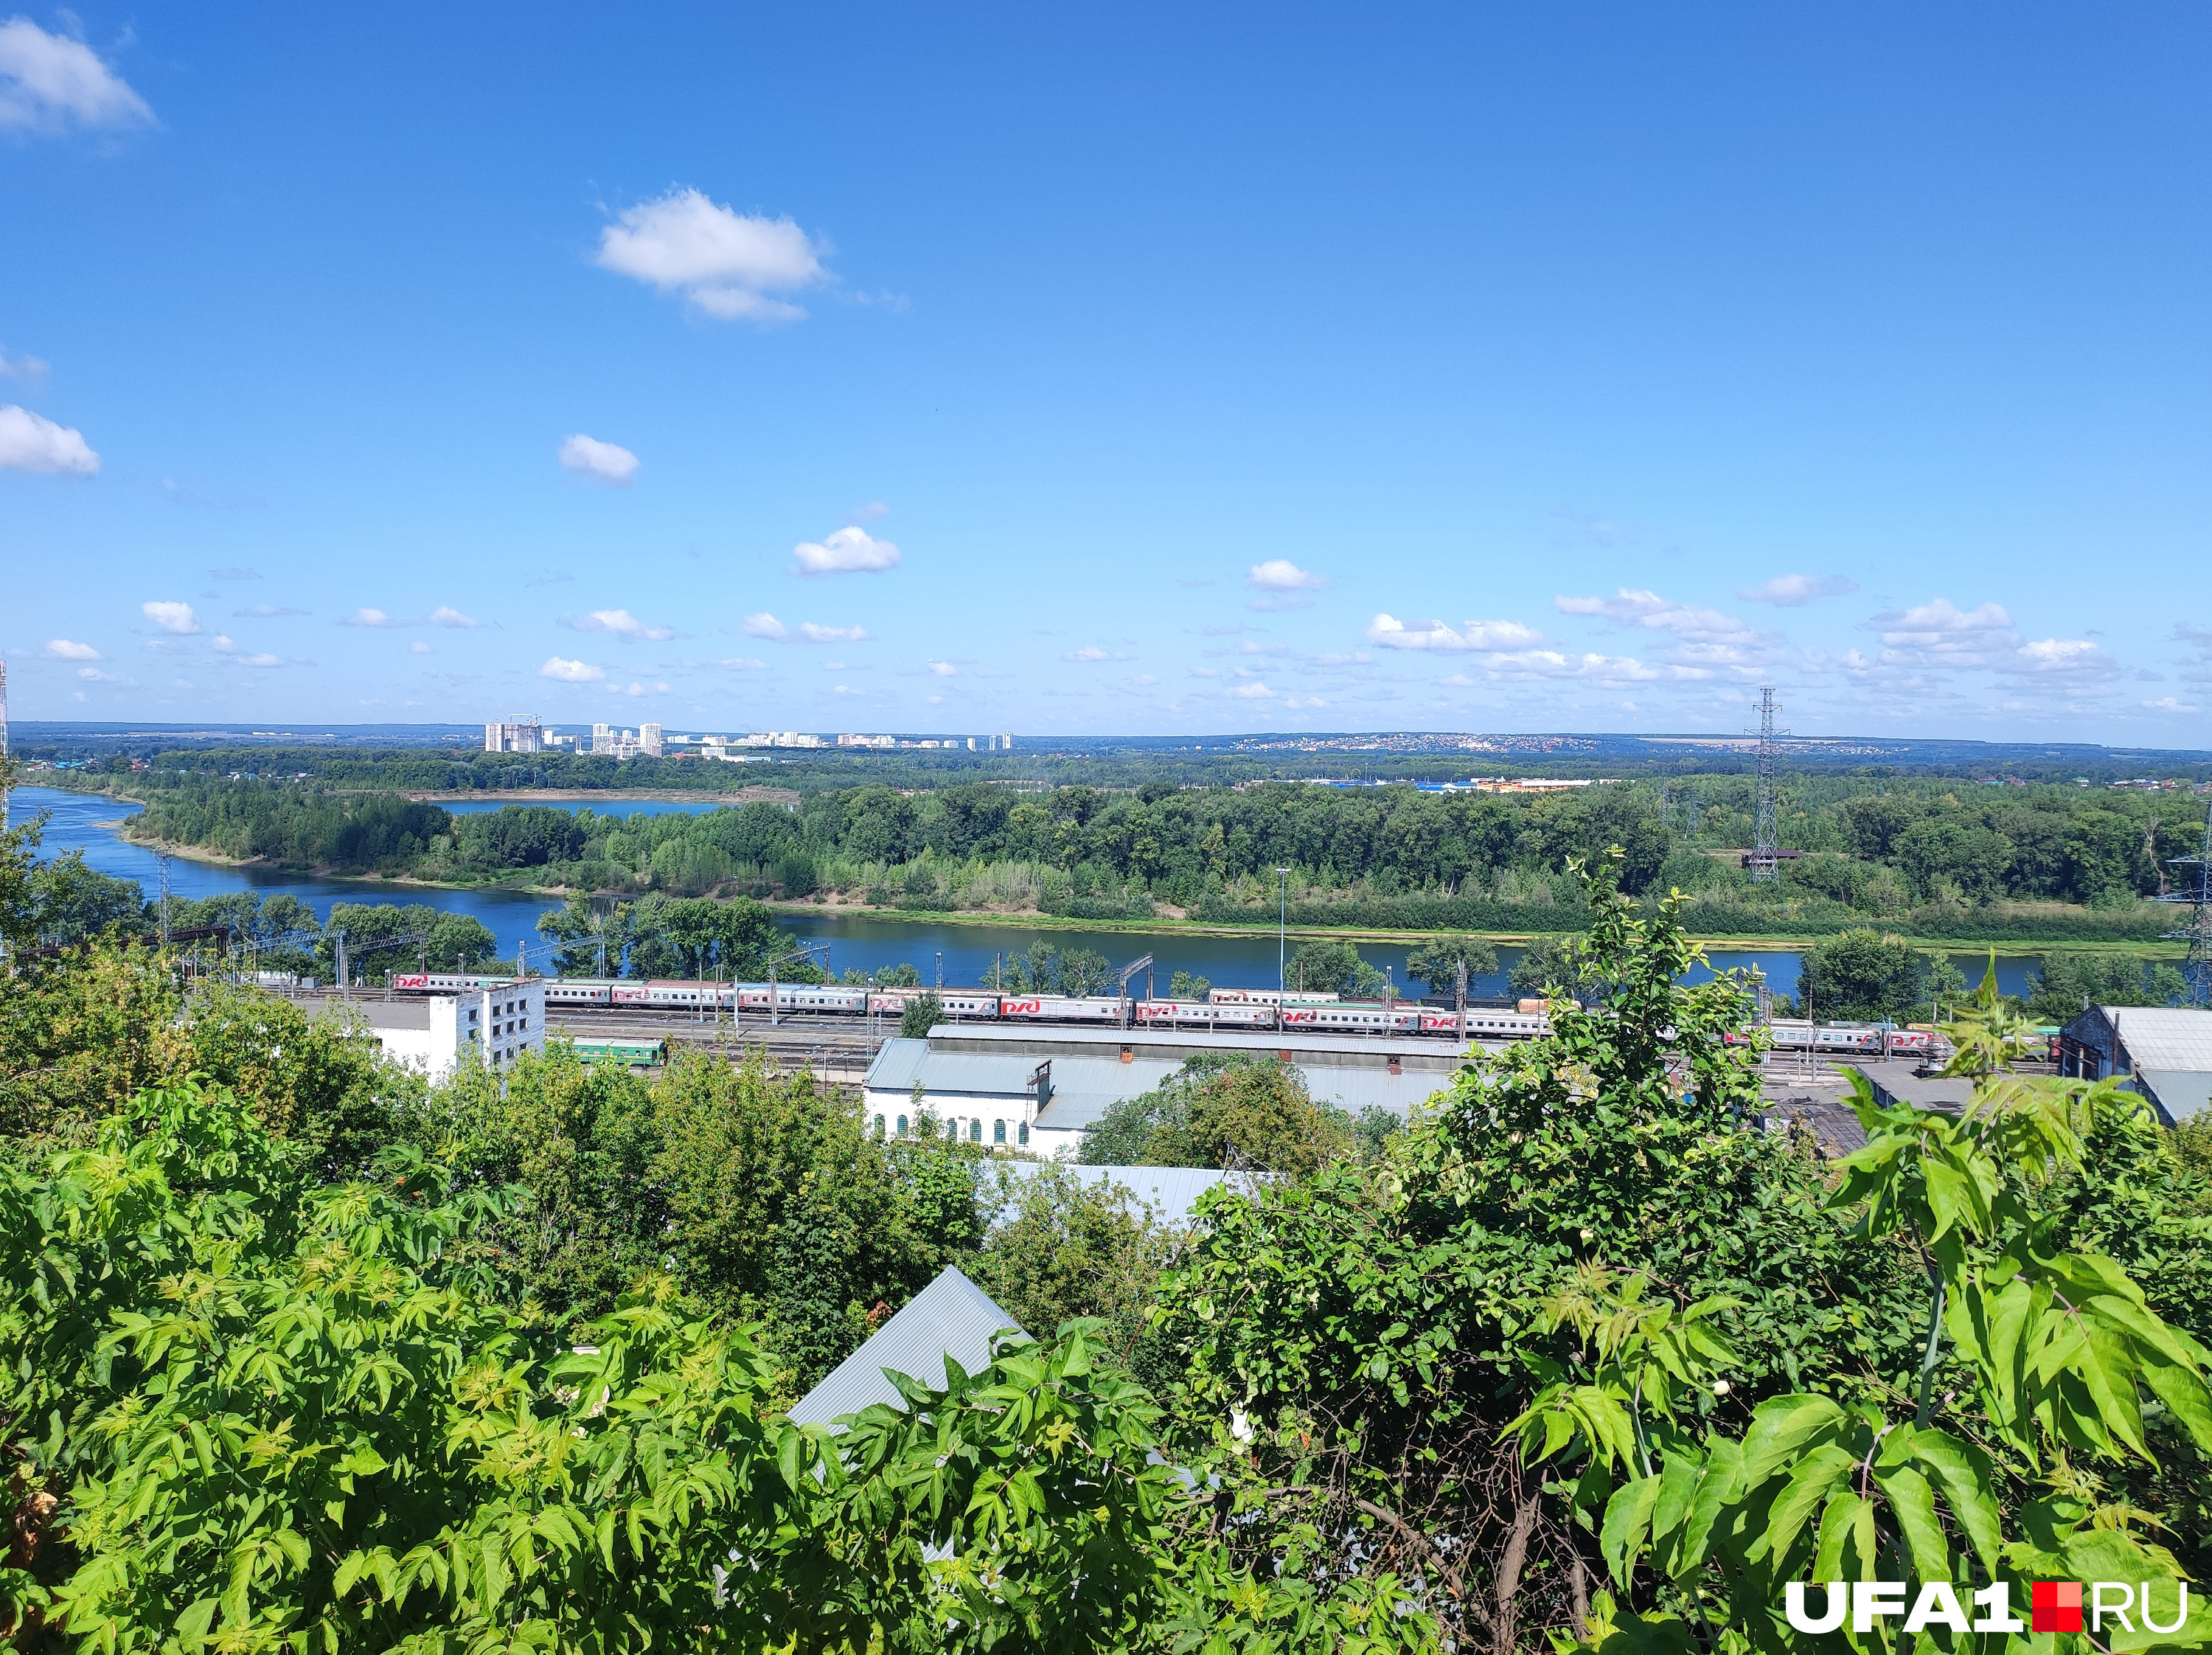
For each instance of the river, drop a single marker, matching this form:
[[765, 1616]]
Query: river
[[964, 953]]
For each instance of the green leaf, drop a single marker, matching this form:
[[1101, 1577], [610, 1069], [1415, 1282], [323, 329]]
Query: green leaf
[[1627, 1514], [1912, 1506]]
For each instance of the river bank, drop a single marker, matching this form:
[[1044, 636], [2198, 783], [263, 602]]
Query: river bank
[[399, 884]]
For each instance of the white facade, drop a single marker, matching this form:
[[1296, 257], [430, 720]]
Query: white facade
[[435, 1033], [648, 739], [515, 736]]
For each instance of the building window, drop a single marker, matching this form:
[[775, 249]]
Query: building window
[[975, 1131], [998, 1132], [1025, 1132], [902, 1126], [879, 1126]]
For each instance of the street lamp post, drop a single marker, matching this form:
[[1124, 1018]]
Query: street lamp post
[[1282, 928]]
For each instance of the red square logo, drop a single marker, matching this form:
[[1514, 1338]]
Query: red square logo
[[2055, 1606]]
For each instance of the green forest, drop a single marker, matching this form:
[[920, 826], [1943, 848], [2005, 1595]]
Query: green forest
[[1917, 857], [309, 1355]]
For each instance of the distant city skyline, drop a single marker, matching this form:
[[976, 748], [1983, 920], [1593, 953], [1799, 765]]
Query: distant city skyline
[[1144, 374]]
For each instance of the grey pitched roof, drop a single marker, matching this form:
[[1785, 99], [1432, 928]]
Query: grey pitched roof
[[951, 1316], [2177, 1093], [1171, 1192], [2164, 1037]]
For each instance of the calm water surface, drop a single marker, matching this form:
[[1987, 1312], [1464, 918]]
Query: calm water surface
[[857, 942]]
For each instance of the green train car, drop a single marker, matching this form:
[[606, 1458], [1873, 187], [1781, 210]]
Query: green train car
[[632, 1054]]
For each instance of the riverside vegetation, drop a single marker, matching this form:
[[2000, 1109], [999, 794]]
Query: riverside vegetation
[[310, 1356], [1911, 856]]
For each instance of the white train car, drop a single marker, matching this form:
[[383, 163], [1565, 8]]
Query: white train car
[[1795, 1034], [579, 991], [1269, 997], [802, 997], [968, 1002], [1205, 1013], [1485, 1024], [1062, 1009], [446, 980], [1354, 1018]]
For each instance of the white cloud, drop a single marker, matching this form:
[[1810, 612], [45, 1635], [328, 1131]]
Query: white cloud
[[49, 81], [1255, 691], [418, 648], [1391, 633], [943, 669], [2074, 657], [622, 624], [2170, 704], [1309, 701], [1940, 634], [1281, 585], [31, 443], [610, 462], [847, 552], [29, 369], [1281, 575], [1143, 680], [815, 633], [69, 649], [1632, 606], [94, 675], [765, 625], [370, 618], [869, 513], [260, 661], [223, 646], [1089, 652], [445, 616], [726, 263], [267, 611], [743, 664], [1534, 664], [171, 616], [1789, 590], [571, 671]]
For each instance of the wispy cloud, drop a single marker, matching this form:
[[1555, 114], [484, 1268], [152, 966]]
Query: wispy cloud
[[813, 632], [70, 649], [267, 611], [52, 81], [765, 625], [564, 670], [1789, 591], [622, 624], [444, 615], [366, 616], [1389, 632]]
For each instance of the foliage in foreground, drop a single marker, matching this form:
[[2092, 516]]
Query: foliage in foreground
[[252, 1412]]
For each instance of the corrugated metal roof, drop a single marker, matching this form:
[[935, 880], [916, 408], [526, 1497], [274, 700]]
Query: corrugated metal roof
[[1083, 1088], [1166, 1195], [951, 1316], [2178, 1093], [2164, 1037]]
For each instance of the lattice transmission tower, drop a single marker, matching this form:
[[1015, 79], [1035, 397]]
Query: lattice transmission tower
[[2197, 969], [1765, 846]]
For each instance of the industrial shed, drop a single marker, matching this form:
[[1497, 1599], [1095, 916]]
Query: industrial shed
[[2164, 1052], [1042, 1089], [949, 1317]]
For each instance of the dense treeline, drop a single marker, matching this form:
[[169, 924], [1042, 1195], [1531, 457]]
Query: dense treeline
[[1932, 858], [1430, 1386]]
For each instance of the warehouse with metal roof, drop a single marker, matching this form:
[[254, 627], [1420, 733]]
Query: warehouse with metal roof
[[1043, 1088], [949, 1317], [2164, 1052]]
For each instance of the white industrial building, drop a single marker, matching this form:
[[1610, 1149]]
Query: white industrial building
[[494, 1022], [2164, 1052], [1041, 1089], [523, 735]]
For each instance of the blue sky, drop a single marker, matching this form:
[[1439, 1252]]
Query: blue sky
[[1154, 370]]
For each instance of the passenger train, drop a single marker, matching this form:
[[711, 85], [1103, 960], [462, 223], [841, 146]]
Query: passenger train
[[1232, 1009]]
